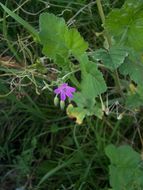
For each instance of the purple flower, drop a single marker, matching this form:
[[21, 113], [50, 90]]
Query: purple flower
[[65, 91]]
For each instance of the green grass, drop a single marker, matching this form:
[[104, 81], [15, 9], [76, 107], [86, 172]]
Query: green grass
[[40, 147]]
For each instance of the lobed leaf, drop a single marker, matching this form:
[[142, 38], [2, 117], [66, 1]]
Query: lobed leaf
[[57, 39]]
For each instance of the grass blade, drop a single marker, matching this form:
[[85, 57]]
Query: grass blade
[[22, 22], [52, 172]]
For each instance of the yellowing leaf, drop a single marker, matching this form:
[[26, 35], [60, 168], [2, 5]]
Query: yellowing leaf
[[133, 89], [77, 113]]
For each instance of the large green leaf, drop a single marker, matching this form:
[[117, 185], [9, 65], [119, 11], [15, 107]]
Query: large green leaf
[[125, 172], [126, 24], [57, 39], [111, 58], [52, 32]]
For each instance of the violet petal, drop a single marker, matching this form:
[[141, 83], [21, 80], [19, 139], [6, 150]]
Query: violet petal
[[57, 91], [71, 89], [63, 96], [69, 94]]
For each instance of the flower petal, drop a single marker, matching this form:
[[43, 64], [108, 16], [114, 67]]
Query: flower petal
[[57, 91], [64, 85], [70, 89], [63, 96], [69, 94]]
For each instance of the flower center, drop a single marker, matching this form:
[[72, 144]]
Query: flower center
[[64, 89]]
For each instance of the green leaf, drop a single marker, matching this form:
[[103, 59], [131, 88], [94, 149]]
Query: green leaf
[[135, 99], [133, 69], [57, 39], [52, 32], [122, 156], [125, 172], [91, 86], [126, 24], [113, 58], [93, 83], [88, 105], [75, 42], [83, 102], [62, 62]]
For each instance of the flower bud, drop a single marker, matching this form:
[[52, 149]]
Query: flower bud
[[56, 101], [120, 116], [62, 105], [107, 112]]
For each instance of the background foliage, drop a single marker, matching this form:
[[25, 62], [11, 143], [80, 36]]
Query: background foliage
[[40, 147]]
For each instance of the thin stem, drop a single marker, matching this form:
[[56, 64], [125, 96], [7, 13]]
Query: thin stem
[[117, 81], [101, 12], [102, 16]]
